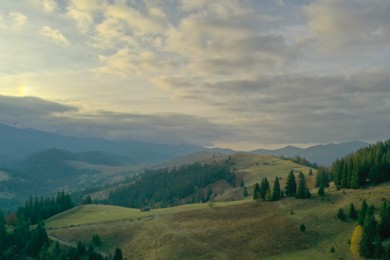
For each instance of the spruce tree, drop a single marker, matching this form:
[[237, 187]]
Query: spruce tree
[[321, 190], [384, 226], [245, 192], [366, 246], [352, 211], [307, 193], [340, 214], [291, 186], [378, 247], [362, 212], [118, 254], [301, 187], [264, 187], [276, 190]]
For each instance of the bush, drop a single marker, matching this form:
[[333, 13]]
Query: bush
[[302, 227]]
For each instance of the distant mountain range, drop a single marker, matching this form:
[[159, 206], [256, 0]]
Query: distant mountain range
[[36, 163], [320, 154], [16, 143]]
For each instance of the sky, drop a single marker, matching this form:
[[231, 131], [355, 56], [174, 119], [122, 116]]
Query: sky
[[242, 74]]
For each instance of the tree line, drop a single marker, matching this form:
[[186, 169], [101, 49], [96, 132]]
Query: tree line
[[170, 187], [366, 166], [23, 234], [292, 189], [370, 232], [37, 209]]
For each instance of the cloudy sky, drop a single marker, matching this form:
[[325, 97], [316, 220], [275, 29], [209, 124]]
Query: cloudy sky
[[242, 74]]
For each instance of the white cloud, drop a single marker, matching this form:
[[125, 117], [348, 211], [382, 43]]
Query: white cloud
[[54, 35], [83, 11], [19, 19], [48, 6]]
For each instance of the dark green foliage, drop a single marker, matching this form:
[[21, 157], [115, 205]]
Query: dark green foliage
[[264, 187], [362, 212], [256, 191], [118, 254], [310, 172], [323, 177], [29, 242], [352, 211], [369, 165], [276, 190], [291, 185], [366, 246], [321, 191], [87, 200], [332, 250], [245, 192], [302, 191], [302, 227], [96, 241], [307, 194], [384, 225], [242, 184], [171, 187], [340, 214], [39, 209], [378, 247]]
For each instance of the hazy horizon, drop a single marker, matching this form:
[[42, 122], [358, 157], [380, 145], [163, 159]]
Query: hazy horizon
[[235, 74]]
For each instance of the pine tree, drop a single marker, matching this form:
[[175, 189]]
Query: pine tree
[[307, 194], [352, 211], [276, 190], [310, 172], [256, 191], [301, 187], [118, 254], [242, 184], [264, 187], [291, 186], [340, 214], [366, 246], [384, 226], [378, 247], [321, 190], [245, 192], [362, 212]]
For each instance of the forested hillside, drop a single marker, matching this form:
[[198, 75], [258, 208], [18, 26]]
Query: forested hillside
[[366, 166], [168, 187]]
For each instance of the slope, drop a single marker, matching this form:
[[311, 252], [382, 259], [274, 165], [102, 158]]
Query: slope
[[230, 230]]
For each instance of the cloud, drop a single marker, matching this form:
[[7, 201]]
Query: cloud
[[30, 108], [221, 40], [83, 11], [346, 24], [19, 19], [55, 35], [48, 6], [70, 120]]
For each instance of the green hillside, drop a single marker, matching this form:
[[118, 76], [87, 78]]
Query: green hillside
[[230, 230]]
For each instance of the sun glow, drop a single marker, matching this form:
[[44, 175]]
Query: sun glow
[[22, 90]]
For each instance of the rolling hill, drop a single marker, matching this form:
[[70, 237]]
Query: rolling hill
[[229, 230], [320, 154]]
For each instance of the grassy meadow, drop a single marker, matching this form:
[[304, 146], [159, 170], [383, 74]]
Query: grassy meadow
[[230, 228]]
